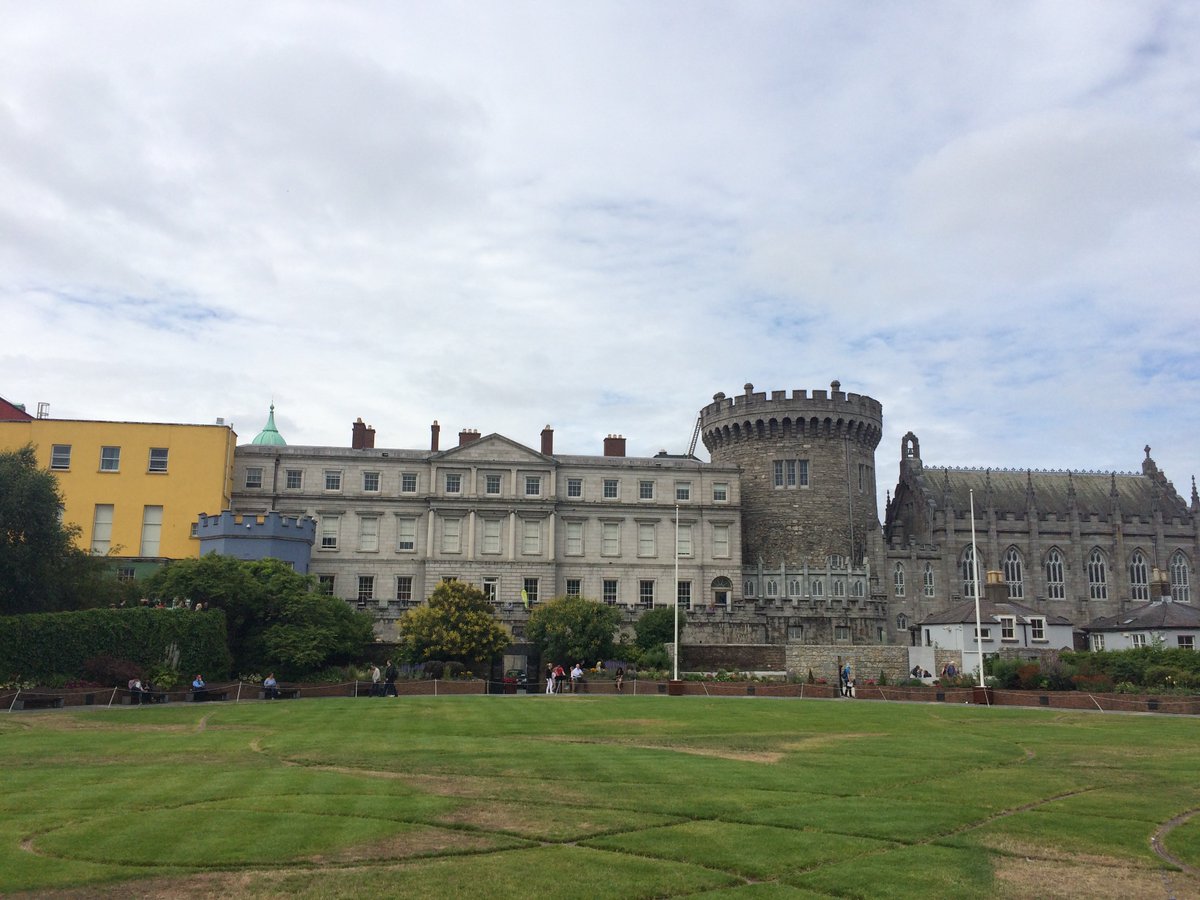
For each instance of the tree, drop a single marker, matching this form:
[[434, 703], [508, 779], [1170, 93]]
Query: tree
[[573, 629], [656, 627], [458, 623], [41, 569], [276, 619]]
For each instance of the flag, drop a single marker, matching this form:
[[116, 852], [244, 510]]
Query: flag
[[525, 597]]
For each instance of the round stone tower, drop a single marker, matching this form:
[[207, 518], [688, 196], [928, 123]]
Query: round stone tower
[[808, 473]]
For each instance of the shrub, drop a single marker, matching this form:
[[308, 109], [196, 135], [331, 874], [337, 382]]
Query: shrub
[[434, 668], [110, 671], [1100, 684], [454, 669]]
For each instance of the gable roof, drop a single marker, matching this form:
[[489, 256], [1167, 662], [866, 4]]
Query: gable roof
[[10, 412], [1158, 614], [492, 447], [991, 611]]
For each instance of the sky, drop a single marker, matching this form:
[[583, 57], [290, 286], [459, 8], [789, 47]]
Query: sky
[[596, 215]]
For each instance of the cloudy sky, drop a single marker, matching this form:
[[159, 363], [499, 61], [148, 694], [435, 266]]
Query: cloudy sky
[[598, 214]]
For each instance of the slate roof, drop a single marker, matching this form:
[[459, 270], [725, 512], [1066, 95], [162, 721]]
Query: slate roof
[[1158, 614], [990, 611]]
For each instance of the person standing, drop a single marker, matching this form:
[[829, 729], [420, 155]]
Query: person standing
[[845, 680], [560, 675], [620, 680], [389, 675], [550, 678], [376, 691]]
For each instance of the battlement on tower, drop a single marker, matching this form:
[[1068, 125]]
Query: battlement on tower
[[758, 414], [273, 535]]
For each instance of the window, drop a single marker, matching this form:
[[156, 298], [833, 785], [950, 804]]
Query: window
[[325, 584], [720, 492], [683, 491], [158, 459], [491, 484], [491, 588], [1137, 639], [102, 523], [406, 533], [1008, 628], [610, 489], [60, 456], [837, 588], [968, 572], [1097, 641], [110, 459], [333, 479], [1186, 642], [293, 479], [329, 532], [368, 534], [531, 537], [683, 595], [1139, 581], [125, 574], [772, 587], [574, 487], [858, 589], [530, 587], [1097, 578], [982, 634], [802, 472], [791, 473], [645, 490], [608, 591], [574, 587], [748, 587], [794, 589], [684, 540], [453, 483], [841, 632], [647, 545], [865, 478], [404, 588], [898, 579], [533, 485], [452, 535], [1180, 589], [574, 539], [254, 477], [371, 482], [646, 592], [491, 535], [610, 539], [1014, 573], [928, 579], [836, 561], [152, 520], [795, 630], [1056, 588], [408, 483], [721, 541], [817, 588], [1037, 629], [366, 588]]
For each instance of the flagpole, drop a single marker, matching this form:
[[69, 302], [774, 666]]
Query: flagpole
[[676, 592], [975, 581]]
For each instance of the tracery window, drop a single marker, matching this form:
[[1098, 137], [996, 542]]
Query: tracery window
[[898, 579], [1097, 575], [1056, 588], [968, 572], [1180, 588], [1014, 574], [1139, 580], [928, 579]]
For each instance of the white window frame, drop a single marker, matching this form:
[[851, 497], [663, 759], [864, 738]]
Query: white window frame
[[573, 587], [299, 479], [366, 480], [404, 588], [574, 487], [610, 538], [366, 588], [60, 457], [493, 480], [1008, 628], [493, 533], [157, 462], [533, 485], [683, 492], [574, 538], [1037, 629], [452, 535], [102, 526], [646, 592], [368, 534], [531, 537], [408, 482], [333, 481], [610, 591], [647, 540], [646, 490], [720, 537], [330, 527], [152, 525], [406, 534], [453, 482], [720, 492], [254, 478], [611, 489], [110, 459]]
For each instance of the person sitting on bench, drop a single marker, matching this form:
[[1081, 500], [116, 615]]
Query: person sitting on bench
[[270, 687], [136, 692]]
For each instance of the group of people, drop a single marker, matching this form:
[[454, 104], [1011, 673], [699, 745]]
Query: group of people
[[389, 675], [557, 679]]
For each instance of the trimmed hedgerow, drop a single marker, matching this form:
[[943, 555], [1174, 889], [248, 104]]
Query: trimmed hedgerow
[[40, 646]]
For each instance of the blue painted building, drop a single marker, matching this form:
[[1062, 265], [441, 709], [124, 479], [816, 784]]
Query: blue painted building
[[274, 536]]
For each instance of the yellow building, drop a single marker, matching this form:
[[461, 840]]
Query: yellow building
[[133, 488]]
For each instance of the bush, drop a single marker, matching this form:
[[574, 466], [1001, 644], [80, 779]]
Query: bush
[[453, 669], [434, 668], [110, 671]]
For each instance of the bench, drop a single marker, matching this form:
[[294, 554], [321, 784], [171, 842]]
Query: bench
[[282, 693], [145, 698], [206, 696], [33, 701]]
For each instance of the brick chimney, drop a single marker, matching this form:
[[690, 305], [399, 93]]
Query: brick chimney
[[434, 431], [614, 445], [370, 436], [548, 441], [358, 434], [467, 436]]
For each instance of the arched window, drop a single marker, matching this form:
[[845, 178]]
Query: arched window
[[898, 578], [1056, 588], [1139, 579], [818, 588], [794, 587], [928, 579], [902, 622], [1014, 574], [1097, 575], [968, 571], [858, 589], [838, 588], [1180, 590], [772, 587], [748, 587]]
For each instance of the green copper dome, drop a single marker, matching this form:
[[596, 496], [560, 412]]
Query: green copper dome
[[270, 434]]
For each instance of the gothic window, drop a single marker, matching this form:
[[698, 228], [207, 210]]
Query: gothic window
[[968, 572], [1014, 574], [928, 579], [857, 589], [838, 588], [898, 579], [1097, 575], [772, 587], [794, 588], [1139, 581], [818, 587], [1180, 590], [902, 622], [1056, 588]]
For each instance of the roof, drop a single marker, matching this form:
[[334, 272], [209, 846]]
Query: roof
[[964, 613], [1159, 614], [270, 434], [13, 412]]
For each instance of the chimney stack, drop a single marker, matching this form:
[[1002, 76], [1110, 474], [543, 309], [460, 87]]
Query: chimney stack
[[370, 437], [547, 441], [614, 445], [434, 431], [358, 434], [467, 436], [994, 588]]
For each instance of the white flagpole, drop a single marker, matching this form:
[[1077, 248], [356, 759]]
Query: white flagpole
[[975, 580], [676, 592]]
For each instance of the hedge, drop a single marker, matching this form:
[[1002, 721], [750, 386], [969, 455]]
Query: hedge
[[44, 645]]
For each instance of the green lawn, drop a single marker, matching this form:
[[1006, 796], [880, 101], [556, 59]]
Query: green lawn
[[462, 797]]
